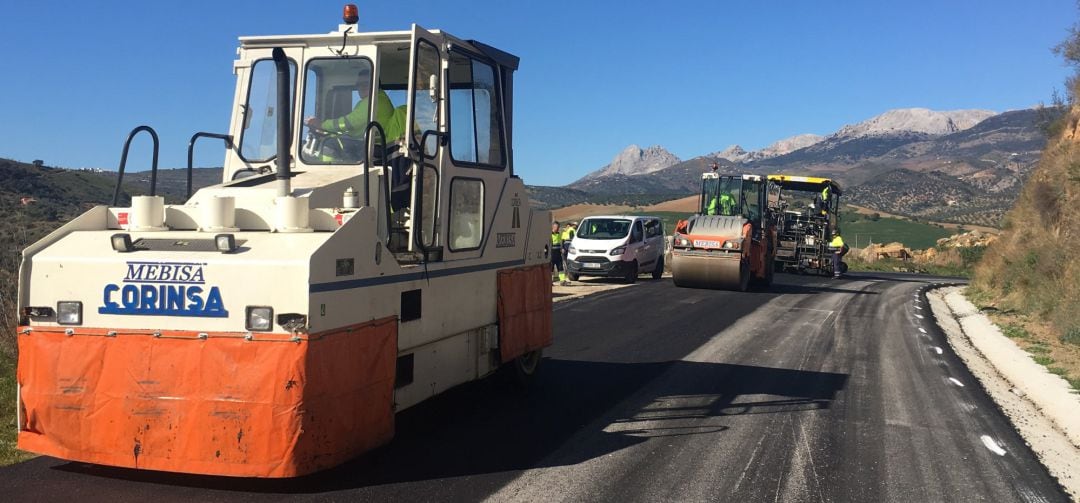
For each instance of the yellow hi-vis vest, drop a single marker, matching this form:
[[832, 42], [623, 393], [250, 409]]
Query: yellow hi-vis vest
[[568, 234], [556, 238], [837, 242]]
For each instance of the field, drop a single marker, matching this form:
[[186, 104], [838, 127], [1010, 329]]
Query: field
[[860, 230]]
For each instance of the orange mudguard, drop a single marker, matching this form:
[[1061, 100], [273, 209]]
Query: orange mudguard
[[273, 406]]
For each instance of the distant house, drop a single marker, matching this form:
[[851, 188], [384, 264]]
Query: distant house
[[38, 163]]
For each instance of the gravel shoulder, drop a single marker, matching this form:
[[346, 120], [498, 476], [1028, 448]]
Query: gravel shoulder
[[1041, 406]]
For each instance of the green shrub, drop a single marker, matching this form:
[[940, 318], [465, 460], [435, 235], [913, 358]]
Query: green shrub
[[1038, 349], [1071, 336], [1043, 360], [1014, 331]]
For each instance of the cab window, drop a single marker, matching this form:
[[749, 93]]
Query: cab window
[[337, 95], [475, 124], [258, 140]]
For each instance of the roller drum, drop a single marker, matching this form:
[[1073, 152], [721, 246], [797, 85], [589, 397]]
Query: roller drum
[[709, 272]]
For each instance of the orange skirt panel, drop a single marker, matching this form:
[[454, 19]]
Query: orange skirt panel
[[219, 405], [524, 310]]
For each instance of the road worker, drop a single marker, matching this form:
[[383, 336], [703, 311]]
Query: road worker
[[557, 253], [839, 249]]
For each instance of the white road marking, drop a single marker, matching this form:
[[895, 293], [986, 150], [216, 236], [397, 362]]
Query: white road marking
[[918, 307], [958, 383], [992, 445], [937, 350], [919, 316], [923, 330]]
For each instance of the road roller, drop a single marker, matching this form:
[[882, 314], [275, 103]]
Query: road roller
[[366, 250], [731, 240]]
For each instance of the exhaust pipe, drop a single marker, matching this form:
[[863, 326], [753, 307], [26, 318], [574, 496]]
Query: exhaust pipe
[[283, 120]]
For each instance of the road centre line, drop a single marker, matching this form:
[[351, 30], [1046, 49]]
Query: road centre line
[[919, 316], [956, 382], [923, 330], [992, 445], [938, 350]]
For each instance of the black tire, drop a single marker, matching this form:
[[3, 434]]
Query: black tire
[[571, 276], [767, 282], [843, 267], [658, 271], [631, 274], [744, 275], [520, 372]]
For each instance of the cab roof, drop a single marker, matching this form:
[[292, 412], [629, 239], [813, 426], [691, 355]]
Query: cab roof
[[805, 183]]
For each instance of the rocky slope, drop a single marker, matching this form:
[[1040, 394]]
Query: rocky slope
[[634, 160]]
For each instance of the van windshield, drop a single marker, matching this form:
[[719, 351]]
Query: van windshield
[[603, 228]]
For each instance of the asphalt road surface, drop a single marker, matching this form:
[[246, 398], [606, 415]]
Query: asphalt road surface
[[818, 390]]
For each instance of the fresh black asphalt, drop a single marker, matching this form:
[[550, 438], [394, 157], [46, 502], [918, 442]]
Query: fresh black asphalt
[[815, 390]]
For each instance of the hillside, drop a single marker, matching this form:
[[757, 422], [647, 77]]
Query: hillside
[[1035, 267]]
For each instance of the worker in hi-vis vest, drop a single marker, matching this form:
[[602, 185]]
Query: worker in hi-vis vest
[[839, 249], [351, 126], [557, 252]]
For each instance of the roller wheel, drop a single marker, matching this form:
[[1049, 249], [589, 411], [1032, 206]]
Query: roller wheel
[[631, 273], [843, 267], [571, 276], [658, 271], [521, 371]]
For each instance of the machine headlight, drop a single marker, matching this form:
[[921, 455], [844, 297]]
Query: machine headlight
[[572, 250], [618, 251], [121, 242], [259, 318], [69, 312], [732, 245], [681, 240], [225, 243]]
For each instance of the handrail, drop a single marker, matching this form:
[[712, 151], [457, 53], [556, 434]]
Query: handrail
[[191, 151], [123, 162]]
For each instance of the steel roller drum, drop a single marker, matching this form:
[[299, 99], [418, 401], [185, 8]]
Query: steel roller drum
[[707, 272]]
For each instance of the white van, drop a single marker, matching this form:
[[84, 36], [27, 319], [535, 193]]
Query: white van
[[617, 246]]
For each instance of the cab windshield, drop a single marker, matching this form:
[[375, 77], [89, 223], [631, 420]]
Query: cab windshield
[[603, 228], [721, 196], [337, 95]]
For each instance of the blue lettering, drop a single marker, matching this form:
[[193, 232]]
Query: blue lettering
[[213, 301], [134, 271], [129, 296], [163, 296], [109, 289], [148, 298], [196, 301], [176, 298]]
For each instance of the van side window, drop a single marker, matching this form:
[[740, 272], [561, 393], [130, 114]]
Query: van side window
[[635, 232], [652, 229]]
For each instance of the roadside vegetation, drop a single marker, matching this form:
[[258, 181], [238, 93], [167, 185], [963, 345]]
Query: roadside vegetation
[[1030, 278], [860, 230]]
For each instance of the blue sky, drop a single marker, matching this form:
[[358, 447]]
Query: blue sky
[[595, 76]]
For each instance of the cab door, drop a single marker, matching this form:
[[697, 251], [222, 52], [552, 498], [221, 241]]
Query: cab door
[[423, 134]]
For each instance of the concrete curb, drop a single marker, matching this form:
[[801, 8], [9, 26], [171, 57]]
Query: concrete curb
[[1051, 394], [1040, 405]]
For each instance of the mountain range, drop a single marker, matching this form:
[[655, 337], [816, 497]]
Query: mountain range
[[976, 159]]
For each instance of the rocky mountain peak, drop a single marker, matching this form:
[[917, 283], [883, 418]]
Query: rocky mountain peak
[[915, 120], [634, 160]]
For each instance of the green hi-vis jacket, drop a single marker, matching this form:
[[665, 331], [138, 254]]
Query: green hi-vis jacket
[[353, 124]]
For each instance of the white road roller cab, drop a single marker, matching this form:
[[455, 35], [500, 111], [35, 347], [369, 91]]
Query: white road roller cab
[[273, 324], [619, 246]]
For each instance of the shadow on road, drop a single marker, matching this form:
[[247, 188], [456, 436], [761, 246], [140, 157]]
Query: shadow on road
[[485, 428]]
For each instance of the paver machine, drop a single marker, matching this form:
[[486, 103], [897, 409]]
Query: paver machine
[[807, 211], [367, 249], [731, 241]]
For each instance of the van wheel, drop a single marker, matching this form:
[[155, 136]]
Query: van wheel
[[571, 276], [631, 273], [658, 271]]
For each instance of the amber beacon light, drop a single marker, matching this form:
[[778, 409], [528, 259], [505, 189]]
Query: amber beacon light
[[351, 14]]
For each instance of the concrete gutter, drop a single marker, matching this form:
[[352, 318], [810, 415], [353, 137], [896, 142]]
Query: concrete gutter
[[1043, 408]]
